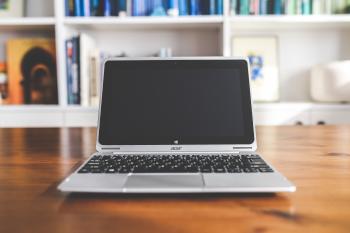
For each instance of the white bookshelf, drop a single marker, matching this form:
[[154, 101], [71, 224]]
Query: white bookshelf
[[301, 38]]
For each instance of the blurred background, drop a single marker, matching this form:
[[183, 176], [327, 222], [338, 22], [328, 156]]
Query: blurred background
[[52, 51]]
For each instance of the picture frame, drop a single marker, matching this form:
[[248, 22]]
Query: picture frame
[[262, 53], [11, 8]]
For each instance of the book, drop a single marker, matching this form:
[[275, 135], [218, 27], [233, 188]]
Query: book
[[94, 7], [87, 44], [76, 70], [122, 8], [107, 8], [173, 8], [317, 7], [263, 7], [278, 7], [290, 7], [220, 7], [244, 7], [194, 7], [32, 75], [69, 63], [77, 8], [95, 76], [270, 7], [183, 8], [233, 7], [212, 7], [86, 7], [254, 7], [306, 7], [69, 7]]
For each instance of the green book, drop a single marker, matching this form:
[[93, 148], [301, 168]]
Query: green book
[[306, 7], [244, 7], [290, 7]]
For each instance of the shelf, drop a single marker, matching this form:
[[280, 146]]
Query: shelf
[[27, 23], [149, 22], [289, 21]]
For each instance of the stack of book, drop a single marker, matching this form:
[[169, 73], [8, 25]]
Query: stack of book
[[289, 7], [143, 7], [83, 63]]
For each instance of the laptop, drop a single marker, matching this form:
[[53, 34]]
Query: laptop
[[176, 125]]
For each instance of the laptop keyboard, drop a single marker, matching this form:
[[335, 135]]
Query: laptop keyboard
[[175, 164]]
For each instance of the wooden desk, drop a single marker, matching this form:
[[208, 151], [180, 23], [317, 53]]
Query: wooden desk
[[34, 161]]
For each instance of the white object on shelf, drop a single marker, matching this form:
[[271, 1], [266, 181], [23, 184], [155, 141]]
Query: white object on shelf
[[331, 82]]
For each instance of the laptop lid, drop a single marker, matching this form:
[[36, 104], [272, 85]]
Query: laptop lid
[[176, 104]]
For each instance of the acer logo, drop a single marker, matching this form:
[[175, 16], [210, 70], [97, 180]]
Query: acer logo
[[176, 148]]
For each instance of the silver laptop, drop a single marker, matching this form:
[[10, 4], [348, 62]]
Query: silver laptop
[[179, 125]]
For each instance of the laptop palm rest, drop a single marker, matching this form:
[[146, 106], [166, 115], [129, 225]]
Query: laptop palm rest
[[164, 181]]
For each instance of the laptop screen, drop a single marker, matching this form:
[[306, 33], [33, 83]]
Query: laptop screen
[[165, 102]]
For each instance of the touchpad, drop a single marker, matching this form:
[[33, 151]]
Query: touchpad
[[164, 181]]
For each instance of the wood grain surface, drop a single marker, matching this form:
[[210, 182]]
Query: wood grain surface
[[34, 161]]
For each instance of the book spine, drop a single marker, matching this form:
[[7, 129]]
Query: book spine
[[69, 54], [66, 7], [328, 7], [233, 7], [220, 7], [173, 8], [263, 7], [254, 7], [87, 7], [77, 9], [94, 5], [244, 7], [193, 7], [298, 7], [107, 11], [270, 7], [82, 7], [75, 71], [212, 7], [134, 6], [278, 7], [317, 8], [122, 8], [306, 7], [183, 8]]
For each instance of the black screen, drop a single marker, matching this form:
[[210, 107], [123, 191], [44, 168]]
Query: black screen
[[165, 102]]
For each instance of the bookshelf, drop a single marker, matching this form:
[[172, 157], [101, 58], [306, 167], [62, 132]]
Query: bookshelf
[[187, 36]]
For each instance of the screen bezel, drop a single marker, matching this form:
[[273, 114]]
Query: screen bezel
[[244, 142]]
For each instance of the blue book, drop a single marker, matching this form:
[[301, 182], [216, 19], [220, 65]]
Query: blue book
[[194, 7], [212, 7], [69, 54], [183, 9], [263, 7], [220, 7], [82, 7], [278, 7], [122, 6], [107, 9], [66, 7], [94, 6], [77, 8], [173, 8]]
